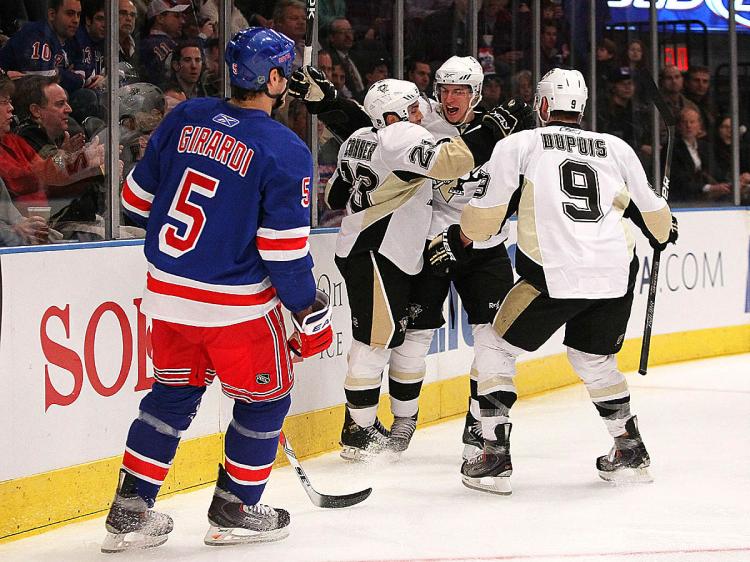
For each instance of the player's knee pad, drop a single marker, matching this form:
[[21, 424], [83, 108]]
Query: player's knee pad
[[170, 409], [494, 361], [600, 374], [407, 364]]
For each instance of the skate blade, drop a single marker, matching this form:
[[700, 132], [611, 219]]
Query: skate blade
[[355, 454], [227, 536], [493, 484], [470, 451], [627, 476], [119, 542]]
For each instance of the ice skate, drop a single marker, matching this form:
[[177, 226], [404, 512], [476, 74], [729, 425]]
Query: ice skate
[[472, 437], [628, 460], [130, 523], [233, 522], [490, 471], [402, 431], [362, 443]]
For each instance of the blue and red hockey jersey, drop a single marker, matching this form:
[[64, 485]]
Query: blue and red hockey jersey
[[224, 194], [36, 49]]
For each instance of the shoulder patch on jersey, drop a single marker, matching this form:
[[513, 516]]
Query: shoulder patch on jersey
[[226, 120]]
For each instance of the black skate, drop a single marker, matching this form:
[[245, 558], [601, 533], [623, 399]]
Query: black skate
[[233, 522], [362, 443], [490, 471], [628, 460], [472, 437], [402, 431], [130, 523]]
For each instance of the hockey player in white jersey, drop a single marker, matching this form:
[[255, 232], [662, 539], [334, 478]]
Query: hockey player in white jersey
[[383, 178], [576, 261], [482, 281]]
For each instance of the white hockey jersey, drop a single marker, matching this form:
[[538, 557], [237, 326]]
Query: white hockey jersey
[[388, 171], [450, 196], [576, 187]]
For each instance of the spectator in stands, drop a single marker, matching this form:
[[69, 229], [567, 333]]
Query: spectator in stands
[[697, 86], [29, 177], [325, 64], [723, 153], [17, 230], [173, 96], [375, 68], [142, 107], [419, 72], [40, 46], [671, 83], [166, 19], [338, 78], [127, 15], [619, 115], [329, 10], [606, 65], [445, 33], [692, 178], [187, 67], [521, 84], [341, 41], [210, 11], [492, 91], [634, 58], [512, 39], [551, 57], [87, 47], [211, 77], [289, 19]]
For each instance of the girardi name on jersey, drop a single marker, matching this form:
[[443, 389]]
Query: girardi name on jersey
[[361, 149], [216, 145], [575, 142]]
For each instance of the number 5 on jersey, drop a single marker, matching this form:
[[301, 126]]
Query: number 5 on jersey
[[189, 213]]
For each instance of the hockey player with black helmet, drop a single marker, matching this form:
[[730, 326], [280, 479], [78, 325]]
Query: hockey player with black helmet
[[483, 279]]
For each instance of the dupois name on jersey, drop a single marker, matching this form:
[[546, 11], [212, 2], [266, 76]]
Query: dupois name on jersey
[[216, 145], [360, 149], [585, 146]]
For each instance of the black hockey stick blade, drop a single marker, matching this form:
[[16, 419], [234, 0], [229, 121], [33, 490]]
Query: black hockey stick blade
[[329, 501]]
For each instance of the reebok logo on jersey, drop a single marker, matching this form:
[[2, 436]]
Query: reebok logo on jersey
[[225, 120], [262, 378]]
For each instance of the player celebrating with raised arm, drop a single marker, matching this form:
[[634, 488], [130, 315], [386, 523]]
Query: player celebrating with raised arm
[[382, 178], [482, 279], [577, 266], [223, 191]]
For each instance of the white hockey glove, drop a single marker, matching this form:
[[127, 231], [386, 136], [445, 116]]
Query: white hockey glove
[[313, 333], [311, 86], [446, 250]]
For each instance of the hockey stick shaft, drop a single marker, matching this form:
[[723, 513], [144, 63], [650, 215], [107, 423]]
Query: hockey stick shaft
[[310, 9], [670, 121], [318, 499]]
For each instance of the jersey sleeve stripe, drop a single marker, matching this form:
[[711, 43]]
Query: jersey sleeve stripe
[[210, 297], [136, 199], [281, 243], [300, 232], [284, 255]]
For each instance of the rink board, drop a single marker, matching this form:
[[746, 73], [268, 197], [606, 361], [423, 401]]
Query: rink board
[[74, 355]]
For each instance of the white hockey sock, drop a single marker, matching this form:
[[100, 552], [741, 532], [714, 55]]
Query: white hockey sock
[[364, 417]]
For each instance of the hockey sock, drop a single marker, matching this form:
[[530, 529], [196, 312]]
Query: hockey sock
[[615, 414], [404, 397], [250, 446], [495, 409], [474, 399], [165, 413], [406, 372]]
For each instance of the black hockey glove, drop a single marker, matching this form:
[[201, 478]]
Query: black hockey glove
[[511, 117], [311, 86], [446, 250], [673, 235]]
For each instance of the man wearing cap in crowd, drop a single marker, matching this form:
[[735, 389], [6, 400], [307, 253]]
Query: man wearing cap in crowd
[[165, 20], [619, 115]]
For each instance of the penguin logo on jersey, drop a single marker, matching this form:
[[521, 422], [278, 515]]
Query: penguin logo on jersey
[[476, 181]]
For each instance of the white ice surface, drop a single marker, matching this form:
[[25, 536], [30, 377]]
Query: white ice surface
[[695, 420]]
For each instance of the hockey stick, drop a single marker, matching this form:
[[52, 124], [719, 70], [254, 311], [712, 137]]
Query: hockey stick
[[310, 7], [652, 93], [318, 499]]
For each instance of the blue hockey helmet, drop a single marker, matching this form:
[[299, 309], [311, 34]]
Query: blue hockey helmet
[[252, 53]]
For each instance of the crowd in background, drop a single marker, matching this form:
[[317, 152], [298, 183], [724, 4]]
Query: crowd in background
[[53, 136]]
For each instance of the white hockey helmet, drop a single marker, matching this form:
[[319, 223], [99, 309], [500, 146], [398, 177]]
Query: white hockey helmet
[[390, 96], [565, 90], [461, 70]]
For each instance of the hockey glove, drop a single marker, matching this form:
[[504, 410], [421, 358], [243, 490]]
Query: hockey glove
[[673, 235], [511, 117], [313, 334], [311, 86], [446, 250]]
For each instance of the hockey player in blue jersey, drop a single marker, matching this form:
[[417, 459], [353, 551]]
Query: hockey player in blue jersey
[[224, 192]]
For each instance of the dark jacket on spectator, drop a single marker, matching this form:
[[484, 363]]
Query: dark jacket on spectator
[[686, 181]]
